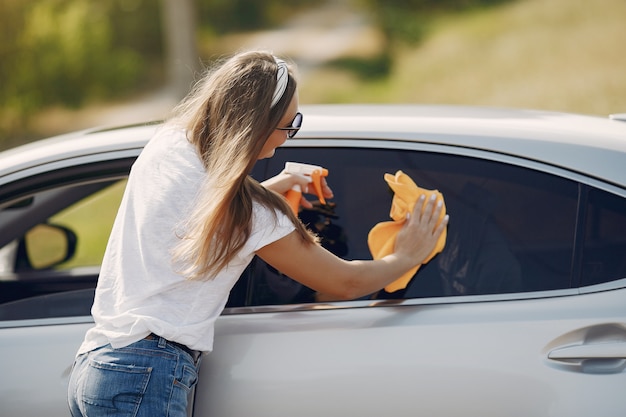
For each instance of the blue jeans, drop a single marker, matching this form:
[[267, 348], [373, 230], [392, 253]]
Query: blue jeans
[[148, 378]]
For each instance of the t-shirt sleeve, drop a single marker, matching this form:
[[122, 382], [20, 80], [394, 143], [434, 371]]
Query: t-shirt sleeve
[[268, 225]]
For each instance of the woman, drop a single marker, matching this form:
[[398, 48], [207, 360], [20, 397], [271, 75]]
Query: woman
[[190, 221]]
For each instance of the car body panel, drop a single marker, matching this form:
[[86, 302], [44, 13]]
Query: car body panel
[[347, 358], [36, 361], [87, 144], [444, 359]]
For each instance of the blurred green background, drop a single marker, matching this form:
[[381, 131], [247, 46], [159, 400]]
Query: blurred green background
[[71, 64]]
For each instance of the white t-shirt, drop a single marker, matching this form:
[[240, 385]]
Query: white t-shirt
[[139, 291]]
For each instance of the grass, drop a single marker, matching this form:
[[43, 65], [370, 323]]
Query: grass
[[564, 55]]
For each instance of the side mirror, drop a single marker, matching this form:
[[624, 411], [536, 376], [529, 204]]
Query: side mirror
[[45, 246]]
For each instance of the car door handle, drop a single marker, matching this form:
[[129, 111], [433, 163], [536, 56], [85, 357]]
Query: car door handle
[[610, 350]]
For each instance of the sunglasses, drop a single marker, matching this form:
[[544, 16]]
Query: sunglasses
[[296, 123]]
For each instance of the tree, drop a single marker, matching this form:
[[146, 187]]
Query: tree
[[182, 62]]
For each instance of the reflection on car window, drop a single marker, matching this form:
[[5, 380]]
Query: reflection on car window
[[512, 229], [51, 270], [91, 219]]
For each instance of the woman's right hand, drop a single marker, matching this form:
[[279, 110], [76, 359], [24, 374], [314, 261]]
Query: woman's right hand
[[283, 182], [421, 231]]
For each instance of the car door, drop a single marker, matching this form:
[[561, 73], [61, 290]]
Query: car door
[[522, 313], [54, 225], [55, 220]]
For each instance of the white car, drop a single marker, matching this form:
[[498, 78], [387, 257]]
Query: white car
[[522, 314]]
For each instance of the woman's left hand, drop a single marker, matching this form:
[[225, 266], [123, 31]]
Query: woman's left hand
[[283, 182]]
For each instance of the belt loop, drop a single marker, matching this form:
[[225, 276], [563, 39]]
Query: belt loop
[[162, 342]]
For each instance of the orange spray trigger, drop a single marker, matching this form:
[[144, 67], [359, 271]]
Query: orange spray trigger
[[316, 177]]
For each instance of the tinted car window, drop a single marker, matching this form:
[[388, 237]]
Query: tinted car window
[[604, 253], [512, 229]]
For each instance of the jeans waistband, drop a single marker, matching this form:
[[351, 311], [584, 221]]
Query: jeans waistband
[[193, 353]]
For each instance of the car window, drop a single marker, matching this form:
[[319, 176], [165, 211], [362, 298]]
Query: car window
[[51, 267], [512, 229], [604, 253], [91, 219]]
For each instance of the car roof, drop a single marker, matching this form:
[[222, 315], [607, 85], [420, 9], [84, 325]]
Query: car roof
[[593, 146], [590, 145]]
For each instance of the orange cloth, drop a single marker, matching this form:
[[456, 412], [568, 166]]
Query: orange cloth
[[382, 237]]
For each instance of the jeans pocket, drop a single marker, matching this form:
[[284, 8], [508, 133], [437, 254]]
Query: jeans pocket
[[188, 378], [114, 389]]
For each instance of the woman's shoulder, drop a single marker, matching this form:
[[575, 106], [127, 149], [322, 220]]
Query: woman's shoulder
[[168, 138], [168, 165], [265, 216], [169, 148]]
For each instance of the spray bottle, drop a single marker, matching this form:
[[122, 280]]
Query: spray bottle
[[313, 174]]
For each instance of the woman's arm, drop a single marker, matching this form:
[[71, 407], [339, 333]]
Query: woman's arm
[[320, 270]]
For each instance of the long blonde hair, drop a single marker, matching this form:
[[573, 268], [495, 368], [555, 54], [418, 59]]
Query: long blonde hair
[[228, 119]]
